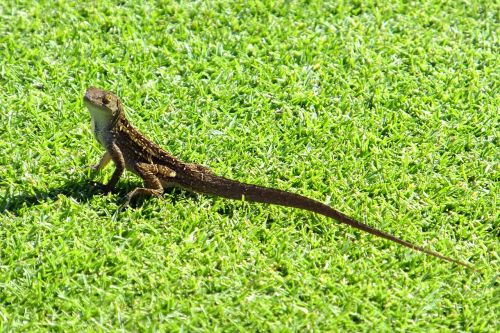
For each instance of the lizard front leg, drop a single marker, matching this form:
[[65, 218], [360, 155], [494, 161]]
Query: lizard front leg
[[152, 174], [105, 159], [112, 153]]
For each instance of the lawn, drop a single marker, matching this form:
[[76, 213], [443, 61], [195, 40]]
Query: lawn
[[388, 112]]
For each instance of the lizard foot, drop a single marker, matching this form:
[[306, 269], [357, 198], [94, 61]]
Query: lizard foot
[[139, 192], [126, 201]]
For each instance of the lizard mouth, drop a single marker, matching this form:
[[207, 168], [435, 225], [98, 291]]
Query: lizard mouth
[[92, 95], [86, 97]]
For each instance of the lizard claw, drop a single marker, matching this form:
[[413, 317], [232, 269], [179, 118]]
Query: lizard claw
[[126, 202], [92, 169]]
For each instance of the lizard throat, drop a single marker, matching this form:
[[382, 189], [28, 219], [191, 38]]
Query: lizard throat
[[102, 121]]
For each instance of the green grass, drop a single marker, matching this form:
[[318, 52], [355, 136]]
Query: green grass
[[386, 111]]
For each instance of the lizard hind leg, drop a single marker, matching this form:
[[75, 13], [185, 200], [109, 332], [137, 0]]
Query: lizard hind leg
[[153, 184]]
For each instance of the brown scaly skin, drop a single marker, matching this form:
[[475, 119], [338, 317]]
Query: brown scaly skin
[[130, 150]]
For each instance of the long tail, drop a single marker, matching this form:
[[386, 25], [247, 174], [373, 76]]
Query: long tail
[[231, 189]]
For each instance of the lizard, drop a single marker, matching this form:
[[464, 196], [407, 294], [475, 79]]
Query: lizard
[[130, 150]]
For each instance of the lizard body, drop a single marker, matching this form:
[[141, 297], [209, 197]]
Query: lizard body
[[130, 150]]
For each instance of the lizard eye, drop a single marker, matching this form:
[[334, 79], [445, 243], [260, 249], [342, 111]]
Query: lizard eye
[[106, 99]]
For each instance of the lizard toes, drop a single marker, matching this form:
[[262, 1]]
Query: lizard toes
[[126, 202]]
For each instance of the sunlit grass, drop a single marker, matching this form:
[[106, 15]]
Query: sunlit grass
[[388, 113]]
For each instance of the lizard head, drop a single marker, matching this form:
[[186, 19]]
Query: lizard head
[[104, 107]]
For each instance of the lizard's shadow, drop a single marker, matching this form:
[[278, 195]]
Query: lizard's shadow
[[80, 190]]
